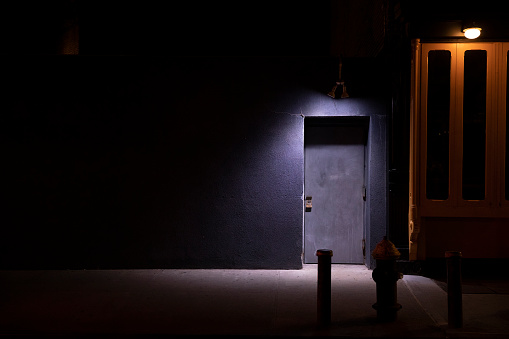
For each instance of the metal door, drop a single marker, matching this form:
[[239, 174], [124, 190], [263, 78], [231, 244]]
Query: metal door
[[334, 188]]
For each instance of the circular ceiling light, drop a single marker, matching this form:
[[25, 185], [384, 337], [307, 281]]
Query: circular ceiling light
[[472, 32]]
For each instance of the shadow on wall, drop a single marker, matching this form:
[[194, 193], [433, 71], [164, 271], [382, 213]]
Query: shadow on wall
[[134, 162]]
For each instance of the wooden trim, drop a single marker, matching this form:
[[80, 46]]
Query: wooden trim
[[494, 205], [502, 118], [413, 197], [425, 202]]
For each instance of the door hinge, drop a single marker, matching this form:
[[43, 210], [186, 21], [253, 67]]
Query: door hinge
[[364, 193], [364, 248]]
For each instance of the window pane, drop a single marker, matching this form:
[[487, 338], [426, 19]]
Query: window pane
[[438, 106], [474, 125]]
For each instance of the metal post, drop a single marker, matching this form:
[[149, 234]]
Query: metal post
[[454, 293], [324, 287]]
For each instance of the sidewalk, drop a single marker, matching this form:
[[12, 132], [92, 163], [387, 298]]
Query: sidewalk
[[234, 302]]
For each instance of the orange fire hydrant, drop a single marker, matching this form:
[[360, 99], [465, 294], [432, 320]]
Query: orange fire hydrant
[[386, 277]]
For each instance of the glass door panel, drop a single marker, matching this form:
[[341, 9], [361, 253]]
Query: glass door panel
[[506, 126], [437, 129], [474, 125]]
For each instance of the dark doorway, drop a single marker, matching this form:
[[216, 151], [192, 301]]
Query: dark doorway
[[334, 186]]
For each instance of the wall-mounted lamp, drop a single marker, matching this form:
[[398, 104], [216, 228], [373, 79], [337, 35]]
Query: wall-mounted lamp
[[332, 93], [471, 30]]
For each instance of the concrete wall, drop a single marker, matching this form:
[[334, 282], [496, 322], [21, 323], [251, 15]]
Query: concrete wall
[[140, 162]]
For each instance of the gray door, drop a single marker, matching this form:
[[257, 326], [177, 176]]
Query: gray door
[[334, 179]]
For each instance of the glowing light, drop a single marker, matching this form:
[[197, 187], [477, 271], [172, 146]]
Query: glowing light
[[472, 32]]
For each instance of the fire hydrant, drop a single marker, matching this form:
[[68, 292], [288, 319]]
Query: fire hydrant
[[386, 277]]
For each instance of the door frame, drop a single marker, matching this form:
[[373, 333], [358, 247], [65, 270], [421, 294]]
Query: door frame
[[345, 121]]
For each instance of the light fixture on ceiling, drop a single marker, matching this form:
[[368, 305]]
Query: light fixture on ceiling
[[341, 83], [471, 30]]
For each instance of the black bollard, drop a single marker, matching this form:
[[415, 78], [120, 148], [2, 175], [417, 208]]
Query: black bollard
[[324, 287], [454, 293]]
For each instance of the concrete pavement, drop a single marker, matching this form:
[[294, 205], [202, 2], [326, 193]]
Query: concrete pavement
[[236, 302]]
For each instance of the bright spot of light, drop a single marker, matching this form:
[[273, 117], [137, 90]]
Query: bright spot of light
[[472, 33]]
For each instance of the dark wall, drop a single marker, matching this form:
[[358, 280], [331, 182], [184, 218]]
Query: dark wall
[[183, 28], [145, 162]]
